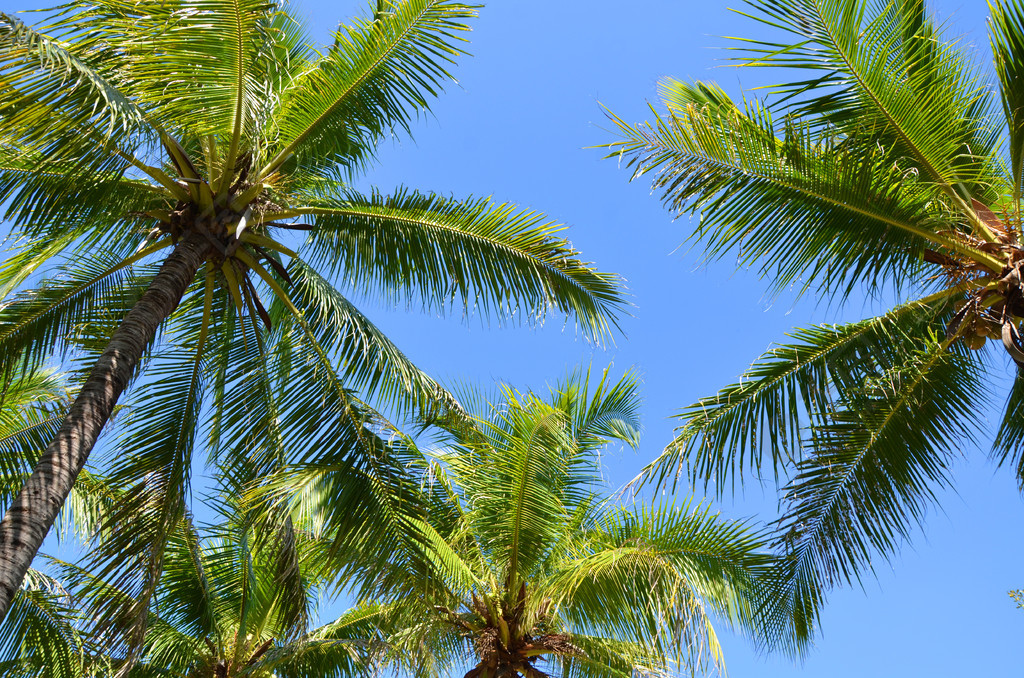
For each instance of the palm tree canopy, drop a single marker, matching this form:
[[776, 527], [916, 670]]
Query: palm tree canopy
[[888, 160], [214, 130], [525, 569]]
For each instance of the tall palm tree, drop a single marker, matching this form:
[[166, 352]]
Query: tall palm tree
[[529, 570], [168, 152], [895, 163], [39, 637]]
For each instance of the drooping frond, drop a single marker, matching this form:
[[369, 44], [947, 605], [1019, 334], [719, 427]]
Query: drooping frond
[[508, 263], [871, 472], [791, 387], [1008, 446], [39, 638]]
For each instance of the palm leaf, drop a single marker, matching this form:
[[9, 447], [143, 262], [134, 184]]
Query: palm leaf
[[375, 77], [508, 263]]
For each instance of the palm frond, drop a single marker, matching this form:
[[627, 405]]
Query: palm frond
[[872, 469], [647, 577], [508, 263], [36, 324], [39, 634], [787, 389], [156, 463], [48, 76], [828, 210], [1007, 36], [1008, 446], [375, 77], [883, 69], [370, 362]]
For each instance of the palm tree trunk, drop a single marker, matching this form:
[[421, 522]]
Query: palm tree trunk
[[30, 517]]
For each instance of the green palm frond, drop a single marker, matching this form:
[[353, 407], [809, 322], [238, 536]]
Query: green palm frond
[[607, 658], [377, 75], [341, 648], [649, 576], [608, 411], [1007, 35], [508, 263], [515, 485], [1008, 446], [186, 599], [38, 323], [33, 63], [882, 69], [156, 464], [821, 209], [370, 362], [874, 466], [38, 638], [791, 387]]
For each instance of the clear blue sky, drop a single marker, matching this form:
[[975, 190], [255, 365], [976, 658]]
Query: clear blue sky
[[516, 128]]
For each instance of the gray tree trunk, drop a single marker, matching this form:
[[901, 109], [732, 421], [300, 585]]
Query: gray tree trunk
[[30, 517]]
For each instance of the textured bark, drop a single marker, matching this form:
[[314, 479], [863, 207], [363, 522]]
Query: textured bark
[[32, 514]]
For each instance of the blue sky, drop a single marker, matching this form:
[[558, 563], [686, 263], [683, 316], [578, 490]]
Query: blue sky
[[517, 127]]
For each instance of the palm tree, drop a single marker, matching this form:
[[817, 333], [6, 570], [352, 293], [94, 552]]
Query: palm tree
[[38, 637], [894, 164], [228, 603], [169, 153], [524, 562]]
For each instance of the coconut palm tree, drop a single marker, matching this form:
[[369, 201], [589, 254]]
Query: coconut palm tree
[[529, 570], [228, 603], [39, 637], [160, 161], [889, 161], [519, 567]]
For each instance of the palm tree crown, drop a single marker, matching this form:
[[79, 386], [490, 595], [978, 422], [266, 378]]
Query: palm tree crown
[[894, 163], [525, 569], [213, 130]]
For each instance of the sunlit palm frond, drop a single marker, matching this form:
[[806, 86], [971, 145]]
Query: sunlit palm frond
[[882, 70], [654, 576], [1007, 36], [48, 75], [39, 638], [765, 415], [509, 263], [370, 362], [36, 324], [377, 75], [824, 210]]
